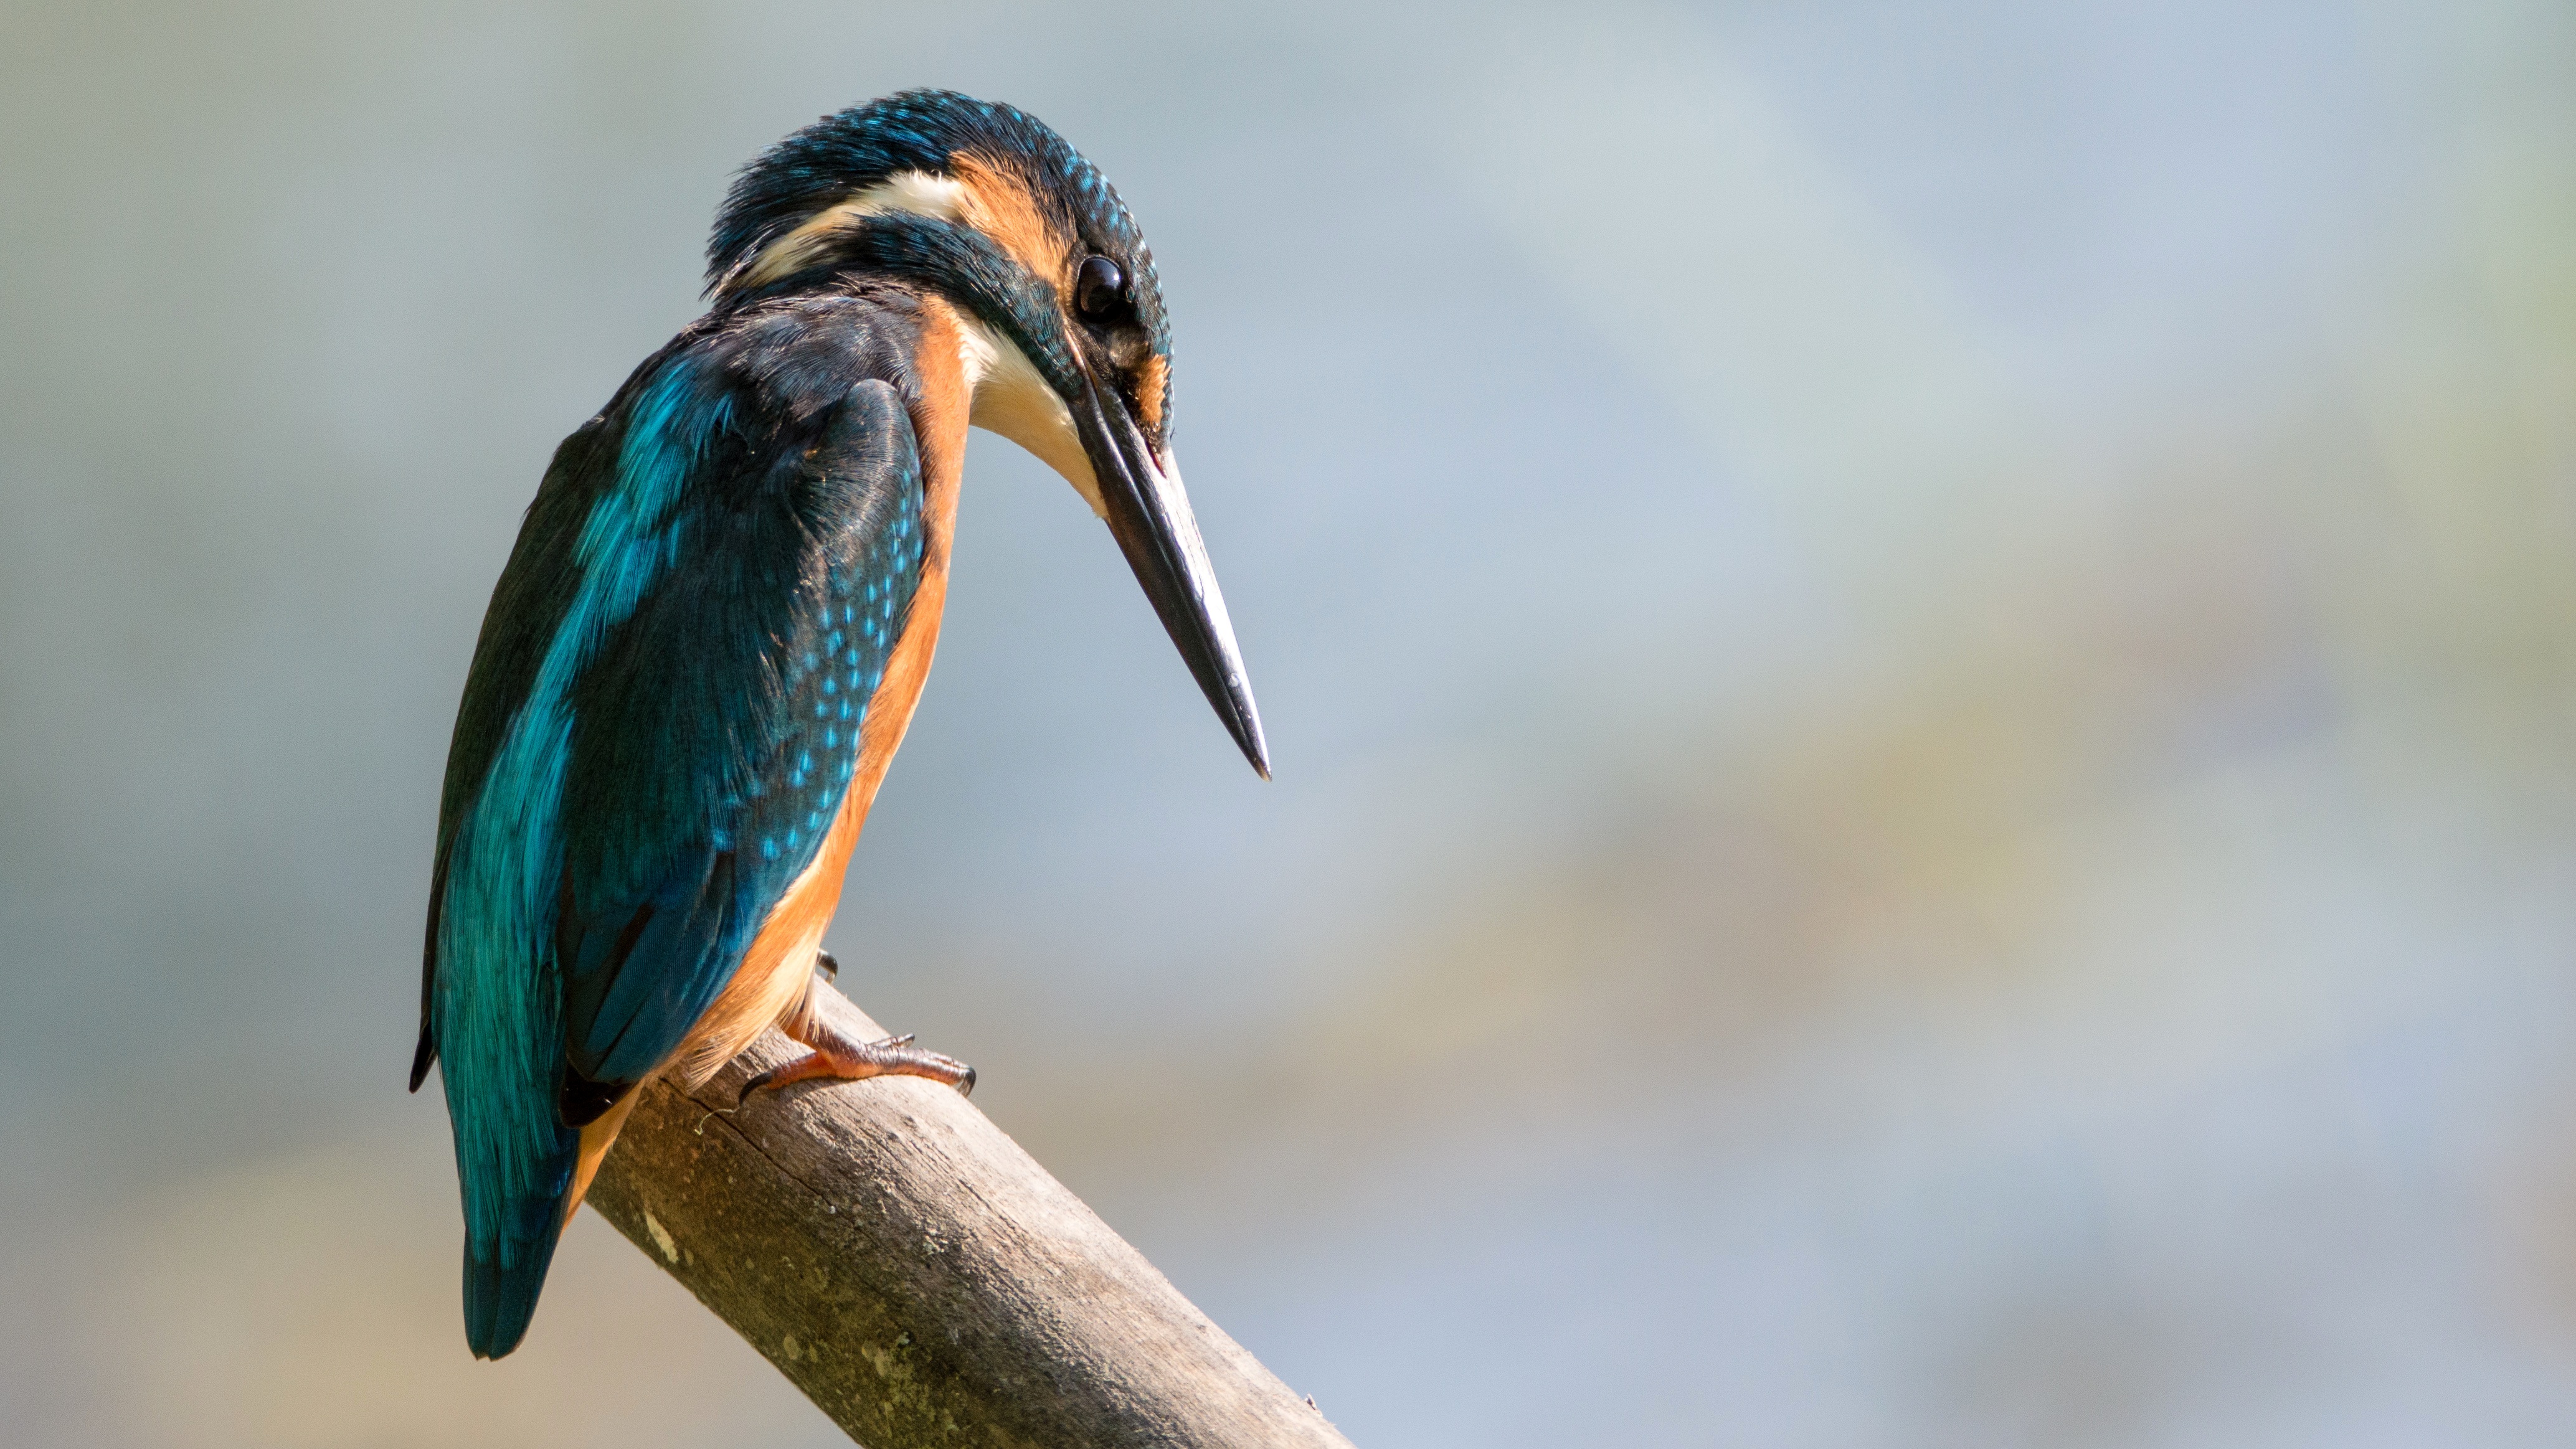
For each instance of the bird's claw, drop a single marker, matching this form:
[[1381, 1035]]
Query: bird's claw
[[837, 1057]]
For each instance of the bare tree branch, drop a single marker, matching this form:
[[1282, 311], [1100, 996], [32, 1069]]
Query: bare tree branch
[[921, 1278]]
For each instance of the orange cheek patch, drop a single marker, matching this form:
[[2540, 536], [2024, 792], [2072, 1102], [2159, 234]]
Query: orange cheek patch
[[999, 204], [1153, 380]]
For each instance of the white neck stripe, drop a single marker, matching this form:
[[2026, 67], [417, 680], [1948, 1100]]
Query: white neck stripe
[[916, 192]]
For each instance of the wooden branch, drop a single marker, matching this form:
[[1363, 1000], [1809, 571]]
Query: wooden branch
[[921, 1278]]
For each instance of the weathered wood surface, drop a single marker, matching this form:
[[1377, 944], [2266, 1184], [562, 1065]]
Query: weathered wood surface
[[921, 1278]]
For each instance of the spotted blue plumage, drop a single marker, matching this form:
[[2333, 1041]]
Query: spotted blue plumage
[[662, 719]]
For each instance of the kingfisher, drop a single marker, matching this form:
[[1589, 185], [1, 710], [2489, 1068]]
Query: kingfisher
[[715, 623]]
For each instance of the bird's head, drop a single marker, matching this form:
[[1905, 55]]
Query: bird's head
[[1066, 346]]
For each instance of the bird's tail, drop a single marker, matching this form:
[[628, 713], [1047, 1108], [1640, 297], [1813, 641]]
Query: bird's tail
[[505, 1269], [514, 1165]]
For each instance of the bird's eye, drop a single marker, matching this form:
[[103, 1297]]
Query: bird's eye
[[1096, 289]]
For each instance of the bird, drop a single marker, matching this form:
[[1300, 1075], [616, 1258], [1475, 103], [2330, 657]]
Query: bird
[[714, 625]]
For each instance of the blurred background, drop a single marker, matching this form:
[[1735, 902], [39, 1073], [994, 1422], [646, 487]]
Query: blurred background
[[1922, 662]]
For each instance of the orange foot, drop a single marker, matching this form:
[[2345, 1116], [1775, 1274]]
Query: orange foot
[[837, 1056]]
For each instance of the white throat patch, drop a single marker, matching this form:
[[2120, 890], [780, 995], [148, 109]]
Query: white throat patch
[[1011, 398]]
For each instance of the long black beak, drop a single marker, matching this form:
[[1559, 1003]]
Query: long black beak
[[1150, 517]]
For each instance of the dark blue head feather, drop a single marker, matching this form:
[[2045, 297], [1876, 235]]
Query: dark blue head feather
[[844, 154]]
